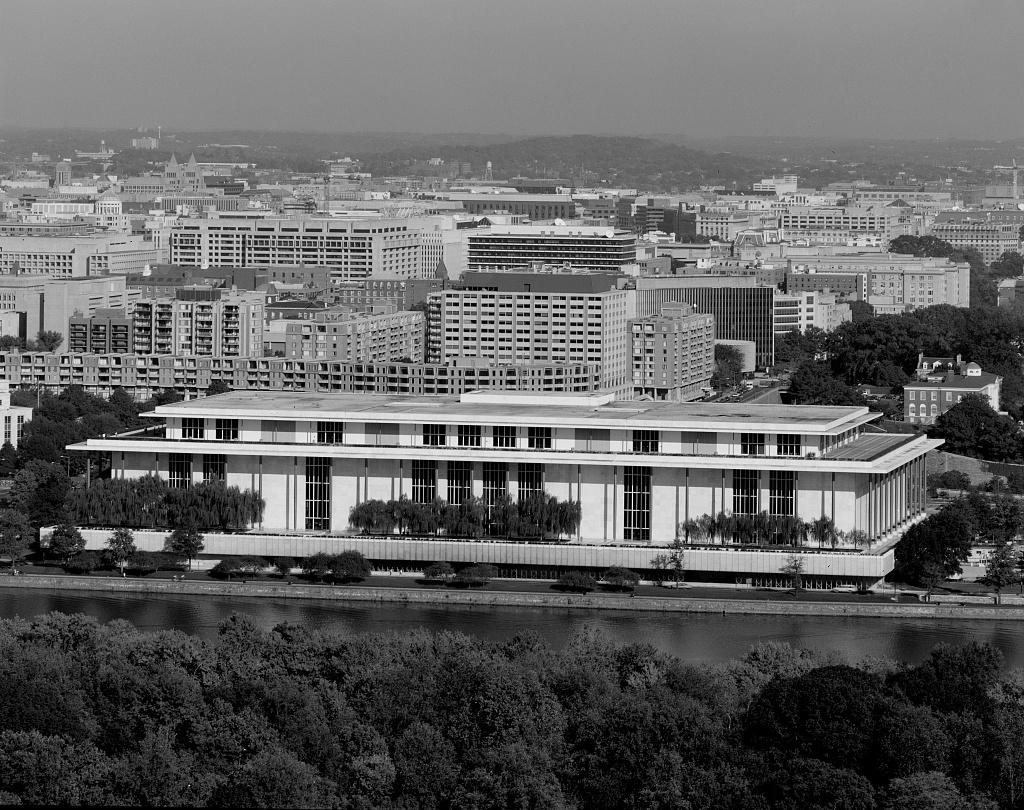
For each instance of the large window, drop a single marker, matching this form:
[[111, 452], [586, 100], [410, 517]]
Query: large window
[[214, 468], [538, 438], [636, 503], [192, 428], [645, 441], [179, 471], [469, 435], [781, 486], [752, 444], [318, 494], [504, 435], [435, 435], [460, 481], [330, 432], [787, 444], [226, 430], [495, 482], [530, 480], [746, 492], [424, 481]]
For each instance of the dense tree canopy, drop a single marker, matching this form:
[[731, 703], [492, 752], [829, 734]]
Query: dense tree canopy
[[105, 715]]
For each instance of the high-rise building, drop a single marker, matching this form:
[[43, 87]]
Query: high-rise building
[[108, 331], [516, 318], [742, 309], [62, 174], [505, 247], [351, 249], [200, 321], [673, 353]]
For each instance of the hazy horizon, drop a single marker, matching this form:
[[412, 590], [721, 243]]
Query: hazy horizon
[[862, 69]]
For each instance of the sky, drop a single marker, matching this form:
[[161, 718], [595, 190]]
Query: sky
[[698, 68]]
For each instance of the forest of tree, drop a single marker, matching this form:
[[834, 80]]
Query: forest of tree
[[107, 715]]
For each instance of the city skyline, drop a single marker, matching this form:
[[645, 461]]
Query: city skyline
[[913, 70]]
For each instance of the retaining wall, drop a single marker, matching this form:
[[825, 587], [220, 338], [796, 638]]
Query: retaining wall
[[677, 604]]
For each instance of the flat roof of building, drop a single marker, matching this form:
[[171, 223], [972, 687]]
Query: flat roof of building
[[579, 410]]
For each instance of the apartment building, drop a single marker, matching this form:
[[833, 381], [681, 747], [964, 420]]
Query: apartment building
[[641, 468], [107, 331], [352, 249], [673, 354], [799, 311], [358, 338], [144, 376], [505, 247], [200, 320], [517, 318]]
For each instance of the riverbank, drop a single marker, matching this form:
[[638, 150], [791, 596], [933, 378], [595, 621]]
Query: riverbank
[[678, 602]]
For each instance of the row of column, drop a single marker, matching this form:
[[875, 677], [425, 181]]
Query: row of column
[[895, 498]]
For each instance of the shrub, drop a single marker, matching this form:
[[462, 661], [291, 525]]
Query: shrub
[[349, 565], [84, 563], [143, 563], [621, 579], [283, 565], [476, 575], [576, 581], [441, 571]]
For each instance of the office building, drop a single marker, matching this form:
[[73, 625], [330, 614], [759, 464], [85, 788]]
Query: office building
[[673, 354], [843, 224], [361, 338], [351, 249], [742, 309], [202, 321], [48, 304], [526, 318], [505, 247], [991, 233], [533, 206], [787, 184], [799, 311], [641, 469], [77, 256], [891, 283], [942, 382]]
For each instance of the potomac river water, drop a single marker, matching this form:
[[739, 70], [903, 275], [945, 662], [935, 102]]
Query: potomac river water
[[692, 637]]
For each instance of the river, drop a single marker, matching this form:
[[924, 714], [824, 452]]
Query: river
[[692, 637]]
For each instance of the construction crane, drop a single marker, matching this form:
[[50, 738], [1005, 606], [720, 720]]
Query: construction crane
[[1013, 168]]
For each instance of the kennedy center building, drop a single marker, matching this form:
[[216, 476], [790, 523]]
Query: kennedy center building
[[639, 469]]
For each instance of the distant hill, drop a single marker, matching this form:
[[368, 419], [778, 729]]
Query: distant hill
[[620, 161]]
